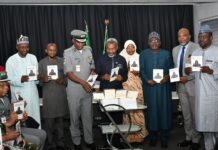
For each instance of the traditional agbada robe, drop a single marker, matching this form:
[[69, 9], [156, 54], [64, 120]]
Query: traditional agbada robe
[[134, 83], [16, 67], [158, 96], [206, 88]]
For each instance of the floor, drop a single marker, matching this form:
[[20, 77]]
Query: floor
[[177, 135]]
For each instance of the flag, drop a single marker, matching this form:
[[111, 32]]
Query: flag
[[106, 22], [88, 42]]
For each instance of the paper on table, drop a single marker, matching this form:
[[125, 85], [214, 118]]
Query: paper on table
[[107, 101], [109, 93], [174, 75], [196, 62], [128, 103], [98, 96], [52, 71], [134, 64], [121, 93], [132, 94], [32, 72], [114, 73], [157, 75]]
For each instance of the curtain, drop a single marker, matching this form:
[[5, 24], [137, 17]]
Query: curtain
[[45, 24]]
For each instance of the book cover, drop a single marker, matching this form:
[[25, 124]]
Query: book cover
[[114, 73], [134, 64], [196, 62], [174, 75], [32, 73], [91, 79], [19, 108], [157, 75], [52, 71]]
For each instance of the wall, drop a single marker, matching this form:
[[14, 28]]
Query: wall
[[203, 12]]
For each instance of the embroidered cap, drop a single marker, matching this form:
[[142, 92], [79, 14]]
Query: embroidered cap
[[154, 34], [205, 29], [23, 40]]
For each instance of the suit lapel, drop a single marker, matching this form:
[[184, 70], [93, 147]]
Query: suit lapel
[[177, 54], [188, 51]]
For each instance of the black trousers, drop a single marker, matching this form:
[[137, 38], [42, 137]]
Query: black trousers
[[54, 128]]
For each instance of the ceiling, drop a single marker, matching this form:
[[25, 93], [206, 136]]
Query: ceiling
[[103, 2]]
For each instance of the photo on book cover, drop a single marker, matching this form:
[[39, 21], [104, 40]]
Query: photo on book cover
[[157, 75], [32, 73], [196, 62], [52, 71], [134, 64], [174, 75]]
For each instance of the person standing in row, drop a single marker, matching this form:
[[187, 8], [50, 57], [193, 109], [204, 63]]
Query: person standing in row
[[134, 83], [16, 67], [78, 65], [157, 96], [186, 88], [206, 88], [54, 105]]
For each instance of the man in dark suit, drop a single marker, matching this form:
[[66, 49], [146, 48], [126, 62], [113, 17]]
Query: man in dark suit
[[181, 57]]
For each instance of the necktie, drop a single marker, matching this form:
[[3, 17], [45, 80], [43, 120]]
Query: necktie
[[181, 62]]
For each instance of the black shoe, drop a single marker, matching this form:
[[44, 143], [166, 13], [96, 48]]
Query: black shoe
[[92, 146], [51, 147], [61, 148], [216, 145], [77, 147], [164, 145], [195, 146], [184, 143], [153, 143]]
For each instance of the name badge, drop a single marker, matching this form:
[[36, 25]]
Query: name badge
[[77, 68], [3, 119]]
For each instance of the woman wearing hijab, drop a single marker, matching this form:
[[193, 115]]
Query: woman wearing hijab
[[134, 83]]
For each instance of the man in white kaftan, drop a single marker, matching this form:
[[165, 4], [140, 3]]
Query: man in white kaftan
[[206, 87], [16, 67]]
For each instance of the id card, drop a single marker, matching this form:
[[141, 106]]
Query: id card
[[77, 68], [3, 119]]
